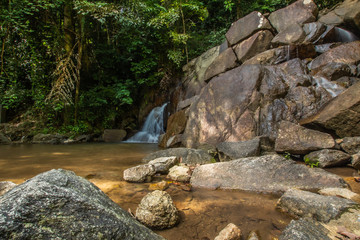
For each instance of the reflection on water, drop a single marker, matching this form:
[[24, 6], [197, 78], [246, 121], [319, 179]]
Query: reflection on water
[[203, 213]]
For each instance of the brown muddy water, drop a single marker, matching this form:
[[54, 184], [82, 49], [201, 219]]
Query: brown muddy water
[[203, 213]]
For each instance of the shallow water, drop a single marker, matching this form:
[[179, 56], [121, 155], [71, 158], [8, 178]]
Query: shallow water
[[203, 213]]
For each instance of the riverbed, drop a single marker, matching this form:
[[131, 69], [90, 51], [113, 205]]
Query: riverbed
[[203, 213]]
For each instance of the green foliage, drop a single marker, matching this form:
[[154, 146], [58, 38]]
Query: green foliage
[[311, 162], [287, 155]]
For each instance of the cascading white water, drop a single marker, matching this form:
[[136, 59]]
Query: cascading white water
[[152, 128]]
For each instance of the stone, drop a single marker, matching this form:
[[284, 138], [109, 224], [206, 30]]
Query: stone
[[351, 145], [162, 186], [334, 71], [186, 103], [305, 229], [157, 210], [4, 139], [329, 158], [48, 138], [347, 82], [59, 204], [293, 34], [294, 73], [340, 192], [225, 61], [139, 173], [267, 174], [253, 235], [300, 12], [163, 164], [299, 203], [174, 141], [175, 125], [246, 26], [313, 31], [180, 173], [221, 114], [6, 186], [194, 72], [340, 115], [186, 155], [114, 135], [295, 139], [348, 53], [257, 43], [234, 150], [230, 232], [355, 161]]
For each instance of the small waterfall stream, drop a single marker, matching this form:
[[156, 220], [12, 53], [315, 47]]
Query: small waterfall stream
[[152, 128]]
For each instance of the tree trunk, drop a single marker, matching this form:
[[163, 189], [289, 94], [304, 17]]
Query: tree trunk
[[69, 29], [78, 66]]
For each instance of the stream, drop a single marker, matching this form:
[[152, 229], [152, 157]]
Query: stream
[[203, 213]]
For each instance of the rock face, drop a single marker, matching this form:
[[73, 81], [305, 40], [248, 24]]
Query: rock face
[[246, 26], [188, 156], [306, 204], [6, 186], [114, 135], [230, 232], [225, 61], [59, 204], [341, 115], [234, 150], [305, 229], [329, 158], [175, 125], [293, 34], [269, 174], [295, 139], [157, 210], [302, 11], [139, 173]]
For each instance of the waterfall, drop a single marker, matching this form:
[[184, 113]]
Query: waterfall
[[152, 128]]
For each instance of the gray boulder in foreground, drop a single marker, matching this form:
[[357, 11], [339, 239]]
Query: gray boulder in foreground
[[329, 158], [305, 229], [6, 186], [187, 155], [268, 174], [306, 204], [234, 150], [60, 205]]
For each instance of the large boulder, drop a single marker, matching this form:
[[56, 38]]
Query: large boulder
[[305, 229], [295, 139], [329, 158], [6, 186], [257, 43], [141, 173], [180, 173], [340, 115], [60, 205], [163, 164], [293, 34], [351, 145], [300, 12], [313, 31], [234, 150], [157, 210], [114, 135], [225, 61], [175, 125], [269, 174], [186, 155], [299, 203], [246, 26]]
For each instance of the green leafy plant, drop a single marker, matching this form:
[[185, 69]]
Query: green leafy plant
[[311, 162], [287, 155]]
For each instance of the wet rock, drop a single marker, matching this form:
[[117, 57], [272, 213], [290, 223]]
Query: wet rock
[[114, 135], [329, 158], [139, 173], [48, 138], [6, 186], [269, 174], [293, 34], [59, 204], [174, 141], [253, 236], [313, 31], [351, 145], [163, 164], [334, 71], [157, 210], [348, 53], [180, 173], [340, 192], [187, 103], [246, 26], [159, 186], [257, 43], [347, 82], [234, 150], [300, 12], [4, 139], [175, 125], [341, 114], [194, 71], [230, 232], [295, 73], [186, 155], [220, 114], [225, 61], [305, 229], [355, 161], [299, 203], [295, 139]]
